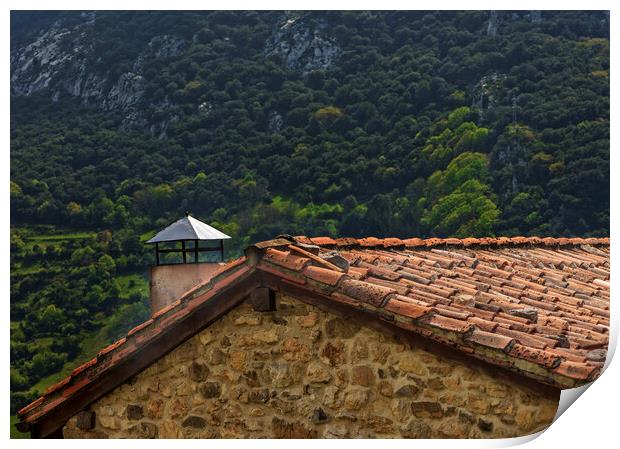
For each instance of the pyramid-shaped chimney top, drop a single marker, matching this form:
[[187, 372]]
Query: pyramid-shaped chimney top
[[188, 228]]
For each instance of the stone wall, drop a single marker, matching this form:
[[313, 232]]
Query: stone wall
[[300, 372]]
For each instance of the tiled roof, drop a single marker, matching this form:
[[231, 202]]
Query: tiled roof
[[539, 307]]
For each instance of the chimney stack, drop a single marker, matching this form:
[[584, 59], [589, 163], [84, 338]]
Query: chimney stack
[[170, 280]]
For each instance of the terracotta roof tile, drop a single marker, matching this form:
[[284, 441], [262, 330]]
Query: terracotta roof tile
[[164, 310], [483, 324], [544, 358], [324, 275], [447, 324], [286, 259], [490, 340], [528, 339], [574, 370], [365, 291], [405, 308]]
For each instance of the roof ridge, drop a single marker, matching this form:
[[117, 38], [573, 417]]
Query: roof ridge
[[415, 242]]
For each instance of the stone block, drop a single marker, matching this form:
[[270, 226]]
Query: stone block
[[309, 320], [416, 429], [134, 412], [295, 429], [210, 390], [426, 409], [485, 425], [362, 375], [356, 398], [339, 328], [334, 353], [195, 422], [85, 420], [155, 409], [198, 372], [143, 430], [318, 373]]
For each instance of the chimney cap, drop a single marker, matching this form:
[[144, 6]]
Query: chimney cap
[[188, 228]]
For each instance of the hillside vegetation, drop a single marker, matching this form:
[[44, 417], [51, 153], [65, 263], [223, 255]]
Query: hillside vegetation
[[262, 123]]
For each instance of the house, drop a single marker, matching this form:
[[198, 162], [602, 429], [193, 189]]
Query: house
[[345, 338]]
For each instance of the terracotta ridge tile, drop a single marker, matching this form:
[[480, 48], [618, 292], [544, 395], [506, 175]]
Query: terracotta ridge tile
[[164, 310], [393, 242], [414, 242], [140, 327], [322, 241], [34, 404], [111, 347], [370, 242], [83, 367], [57, 386], [346, 241], [303, 239]]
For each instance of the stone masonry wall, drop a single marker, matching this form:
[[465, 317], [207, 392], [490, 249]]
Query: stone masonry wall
[[300, 372]]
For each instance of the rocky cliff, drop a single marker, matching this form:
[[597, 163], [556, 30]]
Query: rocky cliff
[[303, 44]]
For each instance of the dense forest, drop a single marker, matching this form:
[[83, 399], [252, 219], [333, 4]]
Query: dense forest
[[262, 123]]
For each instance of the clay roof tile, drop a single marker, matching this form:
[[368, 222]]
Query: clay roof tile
[[490, 340], [414, 243], [286, 259], [323, 275], [365, 291], [323, 241]]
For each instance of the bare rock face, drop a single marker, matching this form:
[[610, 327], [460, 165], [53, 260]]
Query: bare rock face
[[303, 44], [55, 52], [126, 92], [60, 61]]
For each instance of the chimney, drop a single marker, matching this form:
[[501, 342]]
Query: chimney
[[184, 238]]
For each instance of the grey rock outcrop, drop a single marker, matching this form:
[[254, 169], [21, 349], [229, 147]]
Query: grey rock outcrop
[[303, 44], [60, 62]]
